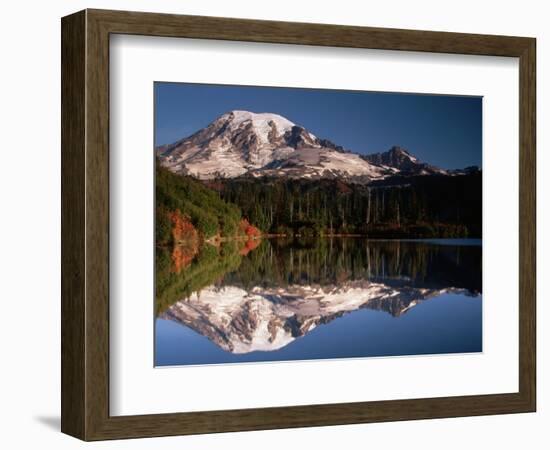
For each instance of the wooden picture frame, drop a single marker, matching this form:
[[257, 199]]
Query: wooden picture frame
[[85, 224]]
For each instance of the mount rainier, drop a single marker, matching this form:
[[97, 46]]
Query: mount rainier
[[241, 143]]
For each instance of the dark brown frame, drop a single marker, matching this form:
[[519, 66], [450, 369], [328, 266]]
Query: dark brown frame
[[85, 224]]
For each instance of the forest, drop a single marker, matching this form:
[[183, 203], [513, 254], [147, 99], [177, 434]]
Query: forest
[[413, 207], [187, 210]]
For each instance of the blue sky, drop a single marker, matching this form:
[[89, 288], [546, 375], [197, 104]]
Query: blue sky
[[439, 129]]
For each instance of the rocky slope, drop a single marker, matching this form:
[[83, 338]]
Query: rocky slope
[[401, 161]]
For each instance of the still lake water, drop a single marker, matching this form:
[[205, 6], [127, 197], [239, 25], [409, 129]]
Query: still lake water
[[317, 299]]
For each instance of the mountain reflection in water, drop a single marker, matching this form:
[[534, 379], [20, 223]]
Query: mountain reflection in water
[[255, 304]]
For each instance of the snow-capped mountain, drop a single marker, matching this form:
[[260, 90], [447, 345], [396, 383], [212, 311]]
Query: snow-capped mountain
[[241, 142], [246, 143], [267, 319]]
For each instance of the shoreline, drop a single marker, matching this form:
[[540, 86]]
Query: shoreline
[[220, 239]]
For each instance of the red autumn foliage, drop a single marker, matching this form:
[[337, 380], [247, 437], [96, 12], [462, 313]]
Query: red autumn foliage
[[182, 228], [252, 233], [186, 241], [249, 245], [182, 256], [248, 229]]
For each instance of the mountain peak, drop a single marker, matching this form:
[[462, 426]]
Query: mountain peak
[[400, 159], [242, 142], [259, 121], [398, 150]]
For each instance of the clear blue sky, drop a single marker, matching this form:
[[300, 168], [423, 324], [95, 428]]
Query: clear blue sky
[[439, 129]]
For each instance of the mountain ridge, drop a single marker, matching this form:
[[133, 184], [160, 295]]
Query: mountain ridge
[[243, 143]]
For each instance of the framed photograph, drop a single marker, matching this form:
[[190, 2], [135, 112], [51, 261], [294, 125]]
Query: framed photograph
[[273, 225]]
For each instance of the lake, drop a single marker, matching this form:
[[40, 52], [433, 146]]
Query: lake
[[303, 299]]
